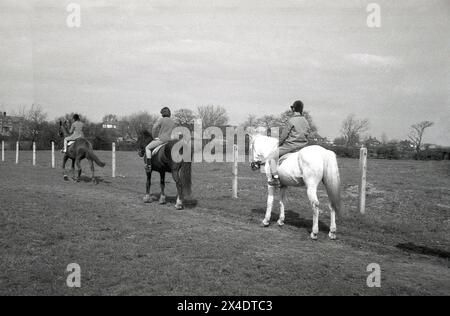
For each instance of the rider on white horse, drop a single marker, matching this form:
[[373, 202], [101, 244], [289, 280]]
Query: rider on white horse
[[294, 137]]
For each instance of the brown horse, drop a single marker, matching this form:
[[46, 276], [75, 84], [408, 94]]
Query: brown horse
[[79, 150], [162, 162]]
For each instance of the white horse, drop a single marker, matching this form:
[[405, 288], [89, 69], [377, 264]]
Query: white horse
[[309, 166]]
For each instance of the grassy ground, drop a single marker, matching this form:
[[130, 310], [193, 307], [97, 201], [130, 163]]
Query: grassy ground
[[216, 246]]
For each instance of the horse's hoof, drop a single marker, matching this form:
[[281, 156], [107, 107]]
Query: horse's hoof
[[162, 202], [147, 199], [66, 178], [179, 207], [265, 223], [280, 223], [313, 236], [332, 236]]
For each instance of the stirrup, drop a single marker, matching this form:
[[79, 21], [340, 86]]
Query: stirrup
[[274, 182]]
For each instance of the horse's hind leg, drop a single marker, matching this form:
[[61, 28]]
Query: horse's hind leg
[[333, 228], [282, 206], [312, 196]]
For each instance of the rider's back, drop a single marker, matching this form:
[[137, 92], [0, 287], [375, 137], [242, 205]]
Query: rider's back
[[77, 129]]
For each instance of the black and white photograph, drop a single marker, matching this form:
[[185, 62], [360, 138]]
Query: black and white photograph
[[224, 154]]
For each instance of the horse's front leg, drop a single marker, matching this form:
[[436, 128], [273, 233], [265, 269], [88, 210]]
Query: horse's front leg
[[147, 197], [73, 169], [312, 196], [162, 199], [270, 199], [94, 180], [176, 177], [79, 170], [282, 206], [64, 167]]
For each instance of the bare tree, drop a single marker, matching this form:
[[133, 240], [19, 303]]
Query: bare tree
[[212, 115], [35, 118], [185, 117], [416, 134], [251, 121], [110, 118], [352, 128], [139, 122]]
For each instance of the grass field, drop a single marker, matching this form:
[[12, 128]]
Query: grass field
[[216, 246]]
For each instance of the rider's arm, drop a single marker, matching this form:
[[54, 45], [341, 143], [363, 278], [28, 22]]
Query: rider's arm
[[286, 132], [72, 129], [155, 129]]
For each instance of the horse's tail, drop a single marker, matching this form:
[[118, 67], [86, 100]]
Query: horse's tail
[[185, 174], [332, 181], [94, 157]]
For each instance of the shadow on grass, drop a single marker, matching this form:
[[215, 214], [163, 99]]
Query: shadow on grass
[[173, 200], [87, 179], [421, 250], [293, 219]]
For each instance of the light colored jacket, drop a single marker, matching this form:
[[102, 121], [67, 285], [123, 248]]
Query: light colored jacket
[[76, 130], [163, 129], [295, 132]]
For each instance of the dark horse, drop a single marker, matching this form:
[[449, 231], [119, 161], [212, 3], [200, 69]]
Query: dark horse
[[81, 149], [162, 162]]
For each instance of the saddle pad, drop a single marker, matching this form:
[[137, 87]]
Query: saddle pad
[[283, 158], [70, 143], [157, 149]]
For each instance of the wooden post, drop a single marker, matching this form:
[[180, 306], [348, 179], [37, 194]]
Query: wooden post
[[53, 155], [17, 153], [34, 154], [113, 160], [235, 171], [3, 151], [362, 182]]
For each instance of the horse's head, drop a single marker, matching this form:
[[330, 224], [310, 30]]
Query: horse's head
[[144, 138], [260, 148], [62, 128]]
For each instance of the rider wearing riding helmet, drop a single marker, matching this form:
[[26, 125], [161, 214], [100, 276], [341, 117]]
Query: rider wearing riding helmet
[[162, 133], [76, 131], [293, 138]]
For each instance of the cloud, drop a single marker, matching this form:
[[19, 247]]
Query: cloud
[[369, 60]]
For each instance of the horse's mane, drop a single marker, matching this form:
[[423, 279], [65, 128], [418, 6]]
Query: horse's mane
[[146, 133]]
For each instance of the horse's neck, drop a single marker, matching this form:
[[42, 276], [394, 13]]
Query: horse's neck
[[264, 145], [65, 131]]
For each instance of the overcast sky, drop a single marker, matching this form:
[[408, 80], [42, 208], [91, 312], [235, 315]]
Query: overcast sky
[[250, 56]]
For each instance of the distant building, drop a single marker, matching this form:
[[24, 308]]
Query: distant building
[[9, 124]]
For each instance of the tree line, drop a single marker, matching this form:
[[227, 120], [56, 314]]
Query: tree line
[[124, 130]]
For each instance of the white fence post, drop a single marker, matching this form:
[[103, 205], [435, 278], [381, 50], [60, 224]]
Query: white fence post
[[34, 154], [17, 153], [53, 155], [3, 151], [113, 160], [235, 171], [362, 182]]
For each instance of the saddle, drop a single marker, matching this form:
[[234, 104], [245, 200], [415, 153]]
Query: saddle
[[157, 149]]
